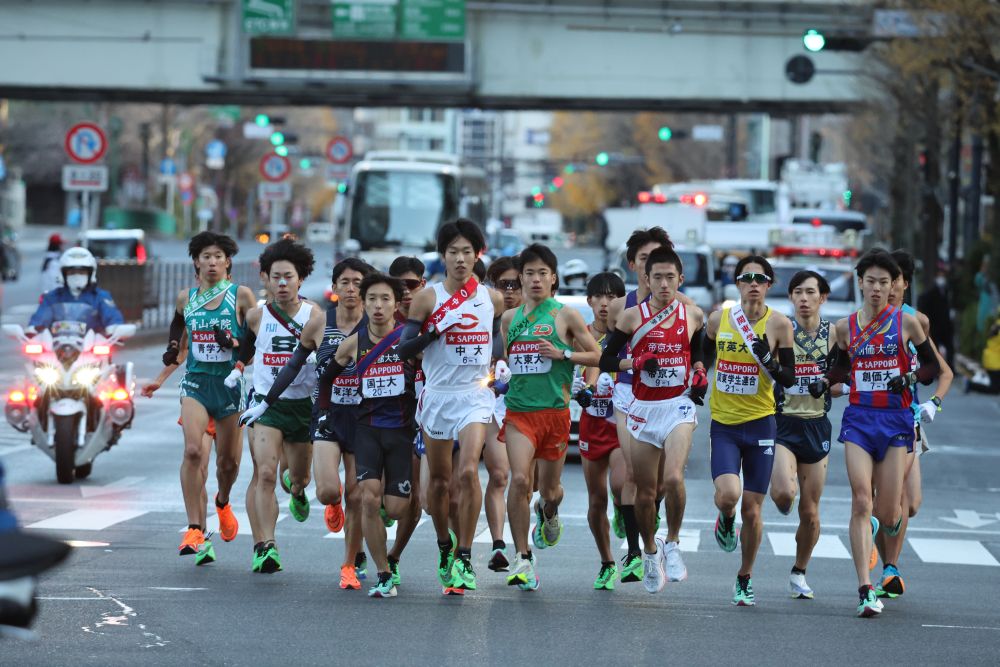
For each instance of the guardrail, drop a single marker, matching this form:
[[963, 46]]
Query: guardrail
[[146, 293]]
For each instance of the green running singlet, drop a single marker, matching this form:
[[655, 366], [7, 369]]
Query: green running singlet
[[537, 382]]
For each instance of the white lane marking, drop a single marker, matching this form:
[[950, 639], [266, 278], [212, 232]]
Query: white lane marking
[[953, 552], [175, 588], [87, 519], [486, 538], [118, 486], [958, 627], [828, 546], [79, 544], [969, 519], [690, 539], [6, 451], [390, 533]]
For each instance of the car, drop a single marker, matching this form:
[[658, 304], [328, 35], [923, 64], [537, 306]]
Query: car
[[125, 244], [701, 281], [844, 299]]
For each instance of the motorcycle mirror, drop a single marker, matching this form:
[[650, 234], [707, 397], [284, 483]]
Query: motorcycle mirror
[[13, 330], [123, 331]]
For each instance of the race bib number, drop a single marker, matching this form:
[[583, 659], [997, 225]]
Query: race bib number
[[804, 375], [345, 390], [418, 381], [874, 380], [666, 375], [383, 380], [526, 360], [204, 348], [734, 378], [467, 348], [599, 407]]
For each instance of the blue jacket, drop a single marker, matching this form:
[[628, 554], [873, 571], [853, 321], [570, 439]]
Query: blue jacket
[[94, 306]]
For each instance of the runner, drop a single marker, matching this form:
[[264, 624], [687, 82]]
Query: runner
[[743, 407], [891, 547], [455, 322], [600, 453], [213, 314], [877, 428], [803, 428], [280, 418], [543, 341], [503, 277], [665, 341]]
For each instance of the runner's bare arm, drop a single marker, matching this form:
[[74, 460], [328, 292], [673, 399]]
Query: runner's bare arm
[[586, 350], [685, 299], [945, 377], [245, 301], [712, 326], [615, 309], [505, 320]]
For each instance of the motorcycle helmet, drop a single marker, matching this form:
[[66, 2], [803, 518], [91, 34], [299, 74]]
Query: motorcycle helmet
[[77, 258]]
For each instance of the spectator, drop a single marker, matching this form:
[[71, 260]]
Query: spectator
[[51, 275], [935, 303], [987, 295], [989, 382]]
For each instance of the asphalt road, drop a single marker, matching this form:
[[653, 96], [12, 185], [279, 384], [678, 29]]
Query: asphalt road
[[125, 596]]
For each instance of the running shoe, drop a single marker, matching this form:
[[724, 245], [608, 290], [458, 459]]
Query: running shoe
[[348, 578], [657, 528], [726, 539], [333, 515], [270, 562], [606, 577], [869, 604], [229, 527], [361, 565], [191, 542], [548, 531], [298, 507], [383, 588], [499, 561], [618, 523], [394, 571], [676, 570], [799, 588], [462, 574], [653, 576], [206, 553], [891, 585], [893, 530], [536, 534], [631, 568], [258, 558], [286, 482], [873, 556], [446, 560], [743, 592], [387, 521], [523, 575]]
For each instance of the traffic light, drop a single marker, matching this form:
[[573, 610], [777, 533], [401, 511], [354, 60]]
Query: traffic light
[[813, 40], [536, 191], [277, 138], [569, 169], [305, 164], [602, 159], [281, 150], [558, 182], [665, 133], [262, 120], [816, 40]]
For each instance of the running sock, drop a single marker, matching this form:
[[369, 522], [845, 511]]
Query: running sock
[[887, 565], [744, 579], [526, 556], [796, 570], [464, 554], [863, 591], [196, 526], [392, 560], [444, 546], [631, 528], [384, 577], [728, 522], [359, 559], [499, 544], [258, 547], [607, 563], [218, 504]]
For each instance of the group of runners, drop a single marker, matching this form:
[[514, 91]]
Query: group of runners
[[410, 385]]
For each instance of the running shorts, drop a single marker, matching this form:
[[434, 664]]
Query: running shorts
[[807, 439], [500, 410], [875, 430], [548, 430], [598, 437], [443, 414], [291, 416], [653, 421], [622, 397], [746, 447], [211, 392], [385, 453], [209, 430], [338, 429]]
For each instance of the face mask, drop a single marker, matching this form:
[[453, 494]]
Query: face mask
[[941, 282], [76, 283]]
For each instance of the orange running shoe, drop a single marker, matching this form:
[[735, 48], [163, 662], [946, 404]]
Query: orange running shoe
[[873, 558], [192, 541], [228, 525], [348, 578], [334, 516]]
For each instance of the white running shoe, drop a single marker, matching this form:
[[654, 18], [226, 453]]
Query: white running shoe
[[800, 589], [653, 576], [523, 574], [676, 570]]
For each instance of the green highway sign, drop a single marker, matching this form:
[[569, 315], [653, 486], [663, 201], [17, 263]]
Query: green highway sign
[[365, 19], [269, 17], [432, 20]]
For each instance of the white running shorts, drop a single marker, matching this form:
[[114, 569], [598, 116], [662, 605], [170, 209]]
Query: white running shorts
[[442, 414], [652, 421]]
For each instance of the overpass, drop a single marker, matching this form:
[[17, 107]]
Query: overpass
[[684, 55]]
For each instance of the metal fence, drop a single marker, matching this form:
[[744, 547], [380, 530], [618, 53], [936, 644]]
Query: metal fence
[[147, 293]]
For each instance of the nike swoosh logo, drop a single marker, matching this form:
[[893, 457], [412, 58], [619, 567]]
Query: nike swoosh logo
[[476, 305]]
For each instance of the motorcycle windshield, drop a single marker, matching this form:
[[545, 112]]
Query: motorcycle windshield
[[72, 318]]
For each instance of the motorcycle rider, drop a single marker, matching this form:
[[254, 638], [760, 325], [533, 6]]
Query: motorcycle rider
[[79, 299]]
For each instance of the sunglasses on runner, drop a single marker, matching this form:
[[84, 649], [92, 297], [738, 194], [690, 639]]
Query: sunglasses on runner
[[509, 285], [759, 278], [412, 284]]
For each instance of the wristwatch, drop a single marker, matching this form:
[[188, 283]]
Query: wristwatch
[[937, 402], [568, 355]]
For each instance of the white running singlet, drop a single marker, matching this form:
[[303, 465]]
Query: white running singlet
[[460, 359], [275, 344]]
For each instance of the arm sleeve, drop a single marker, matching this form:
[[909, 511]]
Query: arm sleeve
[[176, 329], [613, 344], [785, 375], [412, 342], [840, 366], [498, 351], [708, 350], [248, 346], [929, 366], [288, 373], [325, 383], [698, 346]]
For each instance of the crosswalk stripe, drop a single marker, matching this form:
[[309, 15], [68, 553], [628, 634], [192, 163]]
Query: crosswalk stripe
[[952, 552], [828, 546], [484, 537], [87, 519], [690, 539], [390, 532]]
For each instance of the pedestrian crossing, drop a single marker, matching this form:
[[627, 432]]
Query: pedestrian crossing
[[948, 551]]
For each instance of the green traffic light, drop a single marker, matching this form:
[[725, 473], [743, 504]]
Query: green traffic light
[[277, 138], [602, 158], [262, 120], [813, 40], [665, 133], [536, 190], [847, 197], [569, 169], [341, 188], [282, 151], [305, 163]]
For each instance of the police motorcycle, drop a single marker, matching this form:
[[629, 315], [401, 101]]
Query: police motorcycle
[[74, 402]]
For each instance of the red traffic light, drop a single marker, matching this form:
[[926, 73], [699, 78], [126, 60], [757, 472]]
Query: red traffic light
[[558, 181]]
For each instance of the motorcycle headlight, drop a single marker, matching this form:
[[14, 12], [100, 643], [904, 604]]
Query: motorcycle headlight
[[86, 376], [47, 375], [67, 354]]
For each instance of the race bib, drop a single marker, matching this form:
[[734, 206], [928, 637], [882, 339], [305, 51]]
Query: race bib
[[467, 348], [204, 348], [525, 359], [418, 381], [873, 380], [383, 380], [667, 375], [345, 390], [600, 407], [734, 378], [804, 375]]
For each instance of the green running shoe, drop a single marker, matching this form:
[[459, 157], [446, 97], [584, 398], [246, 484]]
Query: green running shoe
[[869, 605], [547, 532], [447, 559], [387, 521], [743, 593], [631, 568], [606, 577], [206, 554], [383, 588], [618, 523], [361, 565], [893, 531], [462, 574], [394, 570], [286, 482], [726, 539], [298, 507], [258, 559], [270, 561]]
